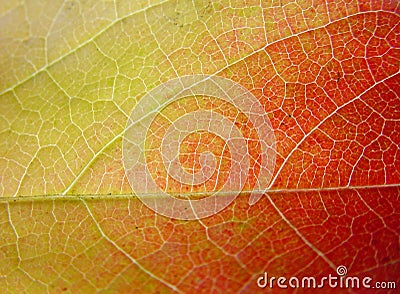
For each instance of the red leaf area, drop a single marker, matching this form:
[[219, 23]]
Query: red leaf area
[[334, 98]]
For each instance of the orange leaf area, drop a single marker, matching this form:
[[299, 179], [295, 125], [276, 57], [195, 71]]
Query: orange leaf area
[[197, 144]]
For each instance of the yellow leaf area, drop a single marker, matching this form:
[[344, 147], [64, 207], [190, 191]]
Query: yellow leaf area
[[71, 72], [68, 93]]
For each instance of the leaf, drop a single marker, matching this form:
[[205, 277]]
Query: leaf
[[72, 73]]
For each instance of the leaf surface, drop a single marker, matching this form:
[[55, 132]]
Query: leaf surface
[[71, 74]]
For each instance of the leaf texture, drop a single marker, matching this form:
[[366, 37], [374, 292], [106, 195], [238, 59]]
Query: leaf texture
[[71, 73]]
